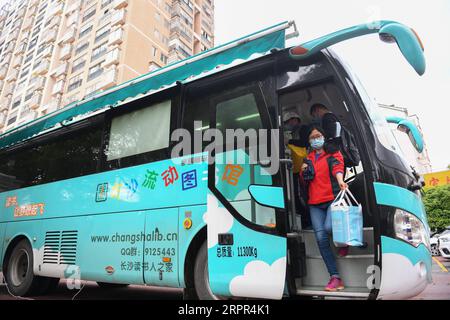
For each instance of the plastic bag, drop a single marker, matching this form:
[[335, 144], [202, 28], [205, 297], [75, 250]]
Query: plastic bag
[[347, 220], [298, 156]]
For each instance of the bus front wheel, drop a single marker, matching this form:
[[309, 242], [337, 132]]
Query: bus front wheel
[[20, 278], [201, 276]]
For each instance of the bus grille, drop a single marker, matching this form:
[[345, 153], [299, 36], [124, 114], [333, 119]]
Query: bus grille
[[60, 247]]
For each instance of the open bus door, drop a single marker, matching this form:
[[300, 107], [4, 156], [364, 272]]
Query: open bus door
[[247, 243]]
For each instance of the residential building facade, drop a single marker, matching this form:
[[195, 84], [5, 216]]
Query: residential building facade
[[54, 52]]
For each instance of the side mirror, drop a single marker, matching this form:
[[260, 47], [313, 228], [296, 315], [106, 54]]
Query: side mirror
[[411, 130], [406, 38], [267, 196]]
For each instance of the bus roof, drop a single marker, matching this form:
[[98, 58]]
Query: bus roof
[[206, 63]]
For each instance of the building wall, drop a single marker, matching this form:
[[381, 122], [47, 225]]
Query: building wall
[[55, 52]]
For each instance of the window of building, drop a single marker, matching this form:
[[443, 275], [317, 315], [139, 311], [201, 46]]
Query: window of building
[[75, 82], [102, 33], [99, 51], [89, 14], [95, 71], [78, 63], [81, 47], [85, 30]]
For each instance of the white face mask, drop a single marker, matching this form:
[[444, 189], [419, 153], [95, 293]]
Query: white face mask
[[317, 143]]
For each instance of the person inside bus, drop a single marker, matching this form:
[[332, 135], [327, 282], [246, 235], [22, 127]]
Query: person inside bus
[[336, 134], [297, 144], [327, 120], [323, 172]]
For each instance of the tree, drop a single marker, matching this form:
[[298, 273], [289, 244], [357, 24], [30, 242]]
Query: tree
[[437, 205]]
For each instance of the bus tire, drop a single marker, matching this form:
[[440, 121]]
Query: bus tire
[[201, 277], [19, 276], [106, 285]]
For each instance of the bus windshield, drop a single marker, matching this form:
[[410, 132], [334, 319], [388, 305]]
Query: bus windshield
[[384, 133]]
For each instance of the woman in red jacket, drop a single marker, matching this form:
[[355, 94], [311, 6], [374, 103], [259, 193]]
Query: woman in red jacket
[[324, 172]]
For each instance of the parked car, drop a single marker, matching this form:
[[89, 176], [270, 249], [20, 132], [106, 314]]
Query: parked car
[[434, 244], [444, 244]]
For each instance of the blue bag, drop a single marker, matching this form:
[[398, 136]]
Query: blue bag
[[347, 220]]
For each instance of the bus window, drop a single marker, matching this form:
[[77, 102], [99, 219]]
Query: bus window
[[138, 137], [67, 156], [139, 132], [237, 168]]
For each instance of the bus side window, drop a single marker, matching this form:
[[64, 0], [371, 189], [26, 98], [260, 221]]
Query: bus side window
[[67, 156], [139, 136]]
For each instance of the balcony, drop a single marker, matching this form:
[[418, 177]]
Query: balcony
[[57, 9], [13, 75], [119, 4], [4, 104], [35, 101], [60, 71], [109, 78], [74, 7], [37, 82], [69, 36], [27, 116], [3, 72], [116, 37], [112, 57], [42, 68], [73, 19], [9, 48], [6, 59], [9, 91], [2, 119], [22, 47], [54, 22], [58, 87], [118, 18], [66, 52], [27, 24], [50, 107], [17, 61], [48, 51], [51, 36]]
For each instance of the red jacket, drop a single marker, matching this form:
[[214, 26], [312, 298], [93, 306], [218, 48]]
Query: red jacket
[[325, 187]]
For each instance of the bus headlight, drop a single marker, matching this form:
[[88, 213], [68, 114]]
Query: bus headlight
[[409, 228]]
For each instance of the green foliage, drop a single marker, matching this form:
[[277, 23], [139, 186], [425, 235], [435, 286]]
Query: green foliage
[[437, 205]]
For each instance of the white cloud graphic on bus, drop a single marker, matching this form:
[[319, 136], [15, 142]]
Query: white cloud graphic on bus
[[222, 222], [258, 274]]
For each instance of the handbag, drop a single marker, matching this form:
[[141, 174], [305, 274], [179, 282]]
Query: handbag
[[347, 220]]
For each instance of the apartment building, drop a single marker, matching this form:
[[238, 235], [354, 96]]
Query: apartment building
[[55, 52]]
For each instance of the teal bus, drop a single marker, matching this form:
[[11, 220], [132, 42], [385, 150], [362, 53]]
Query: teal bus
[[92, 191]]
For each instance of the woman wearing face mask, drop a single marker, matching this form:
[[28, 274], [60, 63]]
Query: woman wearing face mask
[[324, 171]]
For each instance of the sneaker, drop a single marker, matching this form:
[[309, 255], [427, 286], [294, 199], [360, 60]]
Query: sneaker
[[343, 252], [334, 285]]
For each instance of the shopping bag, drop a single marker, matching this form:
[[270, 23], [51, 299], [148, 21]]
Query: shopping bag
[[347, 220], [298, 155]]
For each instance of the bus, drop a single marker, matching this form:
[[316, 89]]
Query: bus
[[93, 191]]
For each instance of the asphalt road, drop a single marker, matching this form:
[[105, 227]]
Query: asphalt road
[[438, 290]]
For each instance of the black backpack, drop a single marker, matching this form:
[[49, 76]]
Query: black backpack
[[348, 149], [346, 144]]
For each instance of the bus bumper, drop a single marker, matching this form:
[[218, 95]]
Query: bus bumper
[[406, 270]]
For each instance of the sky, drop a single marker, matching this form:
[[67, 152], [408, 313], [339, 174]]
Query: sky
[[380, 66]]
